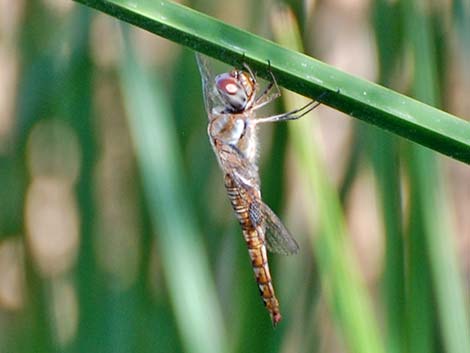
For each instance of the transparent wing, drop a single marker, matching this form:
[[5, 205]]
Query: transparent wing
[[211, 97], [278, 238]]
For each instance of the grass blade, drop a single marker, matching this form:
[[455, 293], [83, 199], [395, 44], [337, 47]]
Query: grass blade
[[339, 273], [359, 98], [383, 153], [185, 266], [429, 206]]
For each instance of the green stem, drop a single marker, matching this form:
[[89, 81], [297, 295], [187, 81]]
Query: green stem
[[300, 73]]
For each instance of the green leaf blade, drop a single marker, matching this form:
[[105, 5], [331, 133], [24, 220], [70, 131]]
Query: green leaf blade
[[300, 73]]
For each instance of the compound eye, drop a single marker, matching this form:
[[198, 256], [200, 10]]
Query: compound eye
[[228, 86], [231, 92]]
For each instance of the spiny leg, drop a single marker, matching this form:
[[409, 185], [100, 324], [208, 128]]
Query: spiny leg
[[266, 97], [296, 113], [292, 115], [248, 68]]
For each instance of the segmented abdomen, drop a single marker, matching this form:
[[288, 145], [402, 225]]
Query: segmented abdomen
[[254, 237]]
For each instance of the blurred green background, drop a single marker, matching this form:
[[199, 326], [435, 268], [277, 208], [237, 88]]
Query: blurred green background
[[116, 234]]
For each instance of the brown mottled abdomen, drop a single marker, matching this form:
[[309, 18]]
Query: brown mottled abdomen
[[254, 238]]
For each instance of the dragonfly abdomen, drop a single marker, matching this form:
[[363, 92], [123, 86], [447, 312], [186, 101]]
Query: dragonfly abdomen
[[255, 241], [239, 205], [259, 259]]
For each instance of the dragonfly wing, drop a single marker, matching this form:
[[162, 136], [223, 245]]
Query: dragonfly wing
[[211, 96], [244, 173], [278, 238]]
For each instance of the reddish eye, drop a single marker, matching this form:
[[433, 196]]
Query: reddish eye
[[228, 85]]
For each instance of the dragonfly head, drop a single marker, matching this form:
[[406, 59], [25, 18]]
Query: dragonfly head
[[237, 90]]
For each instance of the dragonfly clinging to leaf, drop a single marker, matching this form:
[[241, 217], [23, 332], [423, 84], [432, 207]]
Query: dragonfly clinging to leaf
[[231, 100]]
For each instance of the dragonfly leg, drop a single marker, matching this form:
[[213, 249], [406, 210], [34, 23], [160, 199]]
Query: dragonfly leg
[[293, 114], [267, 96], [248, 68]]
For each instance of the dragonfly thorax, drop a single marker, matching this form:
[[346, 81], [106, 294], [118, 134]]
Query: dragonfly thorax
[[237, 132], [236, 89]]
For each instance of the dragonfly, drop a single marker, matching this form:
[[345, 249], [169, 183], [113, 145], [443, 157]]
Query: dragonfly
[[231, 100]]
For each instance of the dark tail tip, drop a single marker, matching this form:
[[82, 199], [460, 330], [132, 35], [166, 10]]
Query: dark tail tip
[[276, 318]]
